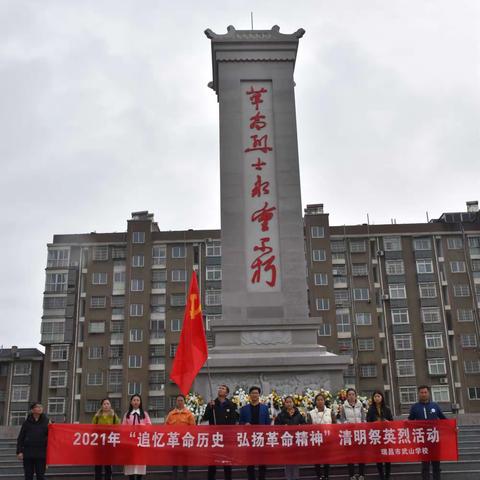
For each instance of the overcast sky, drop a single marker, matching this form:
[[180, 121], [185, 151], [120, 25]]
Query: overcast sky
[[105, 110]]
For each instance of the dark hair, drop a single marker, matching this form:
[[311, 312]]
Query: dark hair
[[421, 387], [290, 397], [34, 404], [382, 404], [258, 389], [130, 408], [319, 395], [226, 387], [181, 395], [351, 390]]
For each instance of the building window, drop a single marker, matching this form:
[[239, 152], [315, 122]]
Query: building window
[[95, 352], [366, 344], [213, 297], [98, 302], [20, 393], [431, 315], [359, 269], [179, 276], [427, 290], [214, 249], [358, 246], [176, 325], [59, 353], [157, 328], [56, 283], [138, 261], [138, 237], [91, 406], [465, 315], [363, 318], [424, 266], [119, 253], [394, 267], [210, 318], [57, 379], [136, 309], [157, 303], [99, 278], [17, 417], [323, 303], [343, 320], [117, 326], [96, 327], [341, 297], [159, 254], [345, 346], [156, 380], [317, 231], [368, 371], [402, 341], [54, 303], [457, 266], [117, 303], [392, 244], [437, 366], [397, 291], [213, 272], [472, 366], [53, 331], [461, 290], [337, 246], [361, 294], [440, 394], [468, 340], [58, 257], [136, 335], [433, 340], [454, 243], [56, 406], [119, 279], [319, 255], [136, 285], [156, 354], [400, 316], [100, 253], [134, 388], [159, 278], [339, 270], [422, 244], [116, 354], [405, 368], [474, 393], [408, 394], [134, 361], [95, 378], [173, 350], [22, 368], [325, 330], [178, 252], [339, 281], [177, 300], [320, 278]]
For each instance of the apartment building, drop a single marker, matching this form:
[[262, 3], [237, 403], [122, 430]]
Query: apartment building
[[402, 300], [21, 372]]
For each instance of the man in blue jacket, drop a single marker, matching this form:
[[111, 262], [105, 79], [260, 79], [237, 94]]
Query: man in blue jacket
[[424, 409], [255, 413]]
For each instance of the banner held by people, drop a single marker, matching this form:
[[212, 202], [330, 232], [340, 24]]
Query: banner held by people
[[192, 350], [397, 441]]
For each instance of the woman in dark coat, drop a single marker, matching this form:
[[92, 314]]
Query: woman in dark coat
[[32, 443], [379, 412]]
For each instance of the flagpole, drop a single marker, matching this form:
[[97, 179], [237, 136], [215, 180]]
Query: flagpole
[[211, 392]]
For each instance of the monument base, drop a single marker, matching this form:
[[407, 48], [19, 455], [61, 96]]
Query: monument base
[[287, 372]]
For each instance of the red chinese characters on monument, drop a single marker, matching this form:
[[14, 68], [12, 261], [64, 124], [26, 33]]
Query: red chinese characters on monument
[[262, 264]]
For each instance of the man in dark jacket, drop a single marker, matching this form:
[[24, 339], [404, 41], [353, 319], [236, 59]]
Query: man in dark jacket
[[424, 409], [221, 411], [32, 443], [255, 413]]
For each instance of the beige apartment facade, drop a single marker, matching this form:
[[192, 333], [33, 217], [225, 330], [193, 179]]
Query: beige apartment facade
[[402, 300]]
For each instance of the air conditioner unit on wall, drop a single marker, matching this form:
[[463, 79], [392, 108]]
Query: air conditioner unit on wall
[[443, 380]]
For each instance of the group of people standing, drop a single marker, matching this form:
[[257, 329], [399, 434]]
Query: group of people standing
[[32, 439]]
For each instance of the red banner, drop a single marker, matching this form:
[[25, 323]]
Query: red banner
[[399, 441]]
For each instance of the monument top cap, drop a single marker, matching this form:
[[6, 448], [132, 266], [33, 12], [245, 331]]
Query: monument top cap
[[272, 35]]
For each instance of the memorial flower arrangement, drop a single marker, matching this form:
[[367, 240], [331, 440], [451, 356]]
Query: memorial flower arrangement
[[195, 403]]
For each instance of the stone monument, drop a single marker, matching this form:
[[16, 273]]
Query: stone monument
[[266, 336]]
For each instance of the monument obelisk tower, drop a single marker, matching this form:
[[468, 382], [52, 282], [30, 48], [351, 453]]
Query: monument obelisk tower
[[265, 335]]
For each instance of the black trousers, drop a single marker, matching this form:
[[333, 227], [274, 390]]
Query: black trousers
[[326, 470], [175, 470], [34, 465], [212, 472], [426, 470], [384, 470], [262, 470], [99, 469], [351, 469]]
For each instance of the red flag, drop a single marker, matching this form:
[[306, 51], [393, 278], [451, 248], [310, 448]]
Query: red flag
[[192, 351]]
